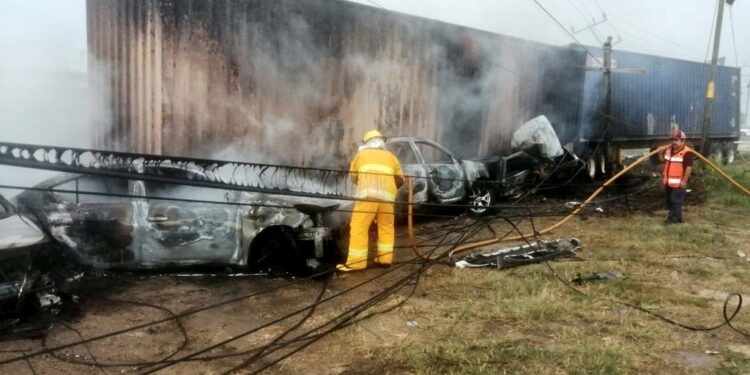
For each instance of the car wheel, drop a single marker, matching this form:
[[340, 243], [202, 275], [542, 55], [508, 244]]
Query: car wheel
[[481, 198]]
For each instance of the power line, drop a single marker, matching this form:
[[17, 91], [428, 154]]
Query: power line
[[604, 14], [568, 32], [643, 30], [578, 10], [632, 35], [711, 31]]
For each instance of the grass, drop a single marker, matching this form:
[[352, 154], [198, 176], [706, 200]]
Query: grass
[[734, 363], [524, 320], [721, 192]]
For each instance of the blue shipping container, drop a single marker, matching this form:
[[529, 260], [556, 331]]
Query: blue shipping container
[[671, 91]]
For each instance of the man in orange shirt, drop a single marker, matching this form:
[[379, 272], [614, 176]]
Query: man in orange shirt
[[378, 175], [678, 166]]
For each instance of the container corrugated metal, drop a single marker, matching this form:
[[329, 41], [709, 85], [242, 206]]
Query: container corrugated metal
[[644, 106], [299, 81]]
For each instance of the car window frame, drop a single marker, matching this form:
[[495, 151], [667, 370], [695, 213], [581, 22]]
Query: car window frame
[[9, 209], [454, 158], [414, 151]]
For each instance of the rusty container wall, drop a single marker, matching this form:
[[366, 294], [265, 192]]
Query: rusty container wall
[[125, 66], [299, 81]]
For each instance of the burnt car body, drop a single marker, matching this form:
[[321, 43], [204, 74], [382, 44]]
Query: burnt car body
[[132, 224], [29, 293], [440, 176], [539, 152]]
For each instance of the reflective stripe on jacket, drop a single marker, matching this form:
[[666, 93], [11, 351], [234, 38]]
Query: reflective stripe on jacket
[[674, 168], [374, 171]]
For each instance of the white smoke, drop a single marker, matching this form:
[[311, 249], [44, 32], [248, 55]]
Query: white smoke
[[43, 79]]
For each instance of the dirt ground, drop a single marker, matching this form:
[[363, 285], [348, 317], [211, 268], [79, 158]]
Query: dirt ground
[[523, 320]]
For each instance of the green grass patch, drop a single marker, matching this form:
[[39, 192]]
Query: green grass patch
[[734, 364], [497, 356], [720, 190]]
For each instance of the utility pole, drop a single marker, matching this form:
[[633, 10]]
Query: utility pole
[[609, 149], [747, 106], [708, 107]]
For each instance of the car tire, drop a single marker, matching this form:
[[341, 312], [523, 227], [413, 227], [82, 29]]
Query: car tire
[[482, 198]]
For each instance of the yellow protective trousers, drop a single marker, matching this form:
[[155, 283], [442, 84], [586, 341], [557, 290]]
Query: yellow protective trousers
[[364, 213]]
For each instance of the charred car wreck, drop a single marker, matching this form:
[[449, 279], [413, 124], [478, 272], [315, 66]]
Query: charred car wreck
[[130, 224], [440, 176]]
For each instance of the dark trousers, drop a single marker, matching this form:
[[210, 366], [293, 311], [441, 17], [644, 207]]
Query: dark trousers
[[675, 199]]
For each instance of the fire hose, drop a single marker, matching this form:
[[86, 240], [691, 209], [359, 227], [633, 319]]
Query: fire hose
[[474, 245]]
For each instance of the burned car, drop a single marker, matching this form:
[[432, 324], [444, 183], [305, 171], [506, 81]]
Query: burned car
[[538, 150], [442, 177], [131, 224], [29, 292]]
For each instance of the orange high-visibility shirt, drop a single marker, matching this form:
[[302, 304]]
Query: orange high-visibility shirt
[[375, 172], [674, 167]]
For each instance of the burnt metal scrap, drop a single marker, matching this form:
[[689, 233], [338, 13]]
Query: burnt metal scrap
[[33, 283], [253, 177], [534, 252]]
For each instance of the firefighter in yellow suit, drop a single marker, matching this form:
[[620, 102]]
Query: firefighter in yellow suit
[[377, 174]]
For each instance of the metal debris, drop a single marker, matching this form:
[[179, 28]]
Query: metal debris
[[534, 252], [598, 276]]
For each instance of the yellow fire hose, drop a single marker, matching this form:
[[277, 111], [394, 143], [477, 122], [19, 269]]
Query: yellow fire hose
[[410, 210], [474, 245]]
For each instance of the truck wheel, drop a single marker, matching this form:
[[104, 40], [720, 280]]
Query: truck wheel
[[729, 152], [595, 163], [714, 153]]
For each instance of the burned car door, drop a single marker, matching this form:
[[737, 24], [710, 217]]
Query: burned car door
[[405, 152], [181, 233], [96, 227], [446, 178]]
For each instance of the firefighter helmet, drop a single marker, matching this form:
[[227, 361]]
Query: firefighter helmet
[[372, 134]]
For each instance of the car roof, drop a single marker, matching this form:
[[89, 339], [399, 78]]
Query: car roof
[[65, 177]]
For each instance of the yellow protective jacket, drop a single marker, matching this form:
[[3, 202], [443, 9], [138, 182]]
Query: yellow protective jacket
[[377, 174]]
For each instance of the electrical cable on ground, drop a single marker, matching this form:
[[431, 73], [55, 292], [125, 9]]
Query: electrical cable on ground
[[475, 245], [426, 264], [470, 233], [727, 317], [94, 362]]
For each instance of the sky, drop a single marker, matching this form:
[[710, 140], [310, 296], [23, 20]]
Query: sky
[[43, 67]]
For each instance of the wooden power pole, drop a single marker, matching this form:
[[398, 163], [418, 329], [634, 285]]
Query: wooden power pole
[[710, 88]]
